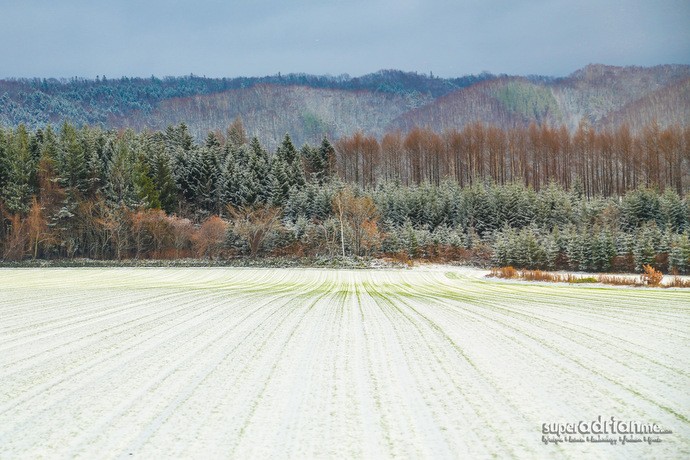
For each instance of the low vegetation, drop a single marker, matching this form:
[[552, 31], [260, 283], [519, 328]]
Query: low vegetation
[[650, 277]]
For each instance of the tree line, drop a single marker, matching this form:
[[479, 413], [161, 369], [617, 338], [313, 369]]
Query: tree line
[[606, 162], [37, 102], [86, 192]]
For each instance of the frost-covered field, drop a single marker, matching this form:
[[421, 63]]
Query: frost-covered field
[[436, 362]]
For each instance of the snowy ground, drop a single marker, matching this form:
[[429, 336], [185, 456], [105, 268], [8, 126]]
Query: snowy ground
[[434, 362]]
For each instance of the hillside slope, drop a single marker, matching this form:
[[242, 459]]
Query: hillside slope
[[270, 111], [309, 107], [605, 96]]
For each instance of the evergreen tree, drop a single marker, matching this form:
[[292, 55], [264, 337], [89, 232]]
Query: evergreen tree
[[20, 171], [280, 182], [160, 168], [72, 161], [603, 251], [245, 177], [319, 161], [579, 250], [259, 165], [679, 256], [551, 249], [640, 206], [144, 185], [186, 172], [213, 143], [229, 177], [178, 137], [288, 159], [326, 161], [672, 213], [120, 179], [644, 249], [479, 209], [164, 182], [205, 179], [5, 163], [553, 207]]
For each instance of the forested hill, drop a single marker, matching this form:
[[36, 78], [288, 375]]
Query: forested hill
[[109, 102], [309, 107]]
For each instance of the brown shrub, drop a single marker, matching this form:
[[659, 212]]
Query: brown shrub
[[402, 257], [209, 239], [651, 276]]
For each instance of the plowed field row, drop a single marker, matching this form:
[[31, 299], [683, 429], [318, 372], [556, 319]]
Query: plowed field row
[[436, 363]]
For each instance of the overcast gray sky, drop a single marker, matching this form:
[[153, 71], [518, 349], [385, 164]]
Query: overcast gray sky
[[53, 38]]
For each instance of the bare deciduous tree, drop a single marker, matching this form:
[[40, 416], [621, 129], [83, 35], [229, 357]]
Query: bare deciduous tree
[[254, 224]]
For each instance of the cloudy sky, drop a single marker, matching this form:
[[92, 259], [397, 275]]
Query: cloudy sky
[[86, 38]]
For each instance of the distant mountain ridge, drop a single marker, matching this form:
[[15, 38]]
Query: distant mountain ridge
[[308, 106]]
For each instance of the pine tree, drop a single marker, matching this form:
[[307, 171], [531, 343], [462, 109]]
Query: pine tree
[[20, 172], [679, 256], [291, 163], [603, 250], [672, 212], [5, 164], [144, 186], [205, 180], [640, 206], [503, 248], [50, 192], [319, 161], [553, 208], [644, 249], [280, 185], [119, 172], [410, 240], [72, 161], [259, 166], [247, 181], [579, 250], [213, 143], [228, 178], [178, 138], [160, 171], [551, 250]]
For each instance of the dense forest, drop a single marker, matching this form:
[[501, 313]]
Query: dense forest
[[536, 197], [101, 101], [310, 107]]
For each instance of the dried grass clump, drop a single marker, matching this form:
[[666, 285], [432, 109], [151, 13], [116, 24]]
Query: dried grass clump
[[618, 280], [650, 277], [581, 280], [678, 282], [539, 275], [503, 272]]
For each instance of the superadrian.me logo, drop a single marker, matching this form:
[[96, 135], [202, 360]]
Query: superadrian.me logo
[[610, 430]]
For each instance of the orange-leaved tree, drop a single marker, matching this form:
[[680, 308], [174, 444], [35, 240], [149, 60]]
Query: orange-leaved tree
[[210, 237]]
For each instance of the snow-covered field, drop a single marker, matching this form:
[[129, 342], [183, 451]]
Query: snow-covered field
[[434, 362]]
